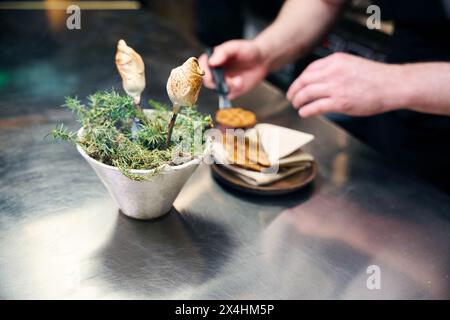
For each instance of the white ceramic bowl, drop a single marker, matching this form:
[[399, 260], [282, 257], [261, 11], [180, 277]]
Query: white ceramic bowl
[[147, 199]]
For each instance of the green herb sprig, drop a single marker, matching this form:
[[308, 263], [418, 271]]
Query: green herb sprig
[[107, 121]]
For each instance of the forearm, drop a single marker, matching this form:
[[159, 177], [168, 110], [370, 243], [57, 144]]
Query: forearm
[[299, 25], [421, 87]]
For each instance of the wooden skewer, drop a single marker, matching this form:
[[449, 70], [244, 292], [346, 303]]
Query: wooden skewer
[[137, 104], [175, 110], [134, 126]]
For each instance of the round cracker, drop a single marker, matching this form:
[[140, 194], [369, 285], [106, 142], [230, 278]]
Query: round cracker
[[236, 118]]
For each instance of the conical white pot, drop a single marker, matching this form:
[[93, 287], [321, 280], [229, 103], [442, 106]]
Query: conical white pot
[[147, 199]]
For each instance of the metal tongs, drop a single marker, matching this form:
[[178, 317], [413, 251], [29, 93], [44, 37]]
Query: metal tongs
[[221, 85]]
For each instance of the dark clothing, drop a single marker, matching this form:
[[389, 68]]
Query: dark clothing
[[421, 30], [419, 141], [222, 20]]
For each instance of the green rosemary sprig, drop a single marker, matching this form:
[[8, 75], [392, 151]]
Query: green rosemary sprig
[[107, 120]]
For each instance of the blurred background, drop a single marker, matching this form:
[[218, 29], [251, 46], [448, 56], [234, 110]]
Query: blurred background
[[210, 21]]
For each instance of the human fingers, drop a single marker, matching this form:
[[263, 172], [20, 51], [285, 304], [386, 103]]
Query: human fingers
[[207, 78], [316, 107], [309, 94], [223, 52]]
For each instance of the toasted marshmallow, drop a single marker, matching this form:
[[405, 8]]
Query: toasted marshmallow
[[184, 83]]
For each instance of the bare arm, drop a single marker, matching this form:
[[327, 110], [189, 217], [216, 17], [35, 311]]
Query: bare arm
[[426, 88], [356, 86], [299, 25], [342, 83]]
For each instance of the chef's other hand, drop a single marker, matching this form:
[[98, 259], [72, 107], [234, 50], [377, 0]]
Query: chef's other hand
[[344, 83], [243, 64]]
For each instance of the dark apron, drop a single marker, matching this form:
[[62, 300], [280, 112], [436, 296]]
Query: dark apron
[[419, 141]]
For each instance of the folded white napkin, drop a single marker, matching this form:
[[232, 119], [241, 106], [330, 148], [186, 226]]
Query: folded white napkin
[[279, 142], [259, 178]]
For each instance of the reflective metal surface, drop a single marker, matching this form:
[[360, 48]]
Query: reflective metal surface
[[62, 237]]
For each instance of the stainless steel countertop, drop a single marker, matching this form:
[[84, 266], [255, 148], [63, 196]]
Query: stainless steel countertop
[[61, 236]]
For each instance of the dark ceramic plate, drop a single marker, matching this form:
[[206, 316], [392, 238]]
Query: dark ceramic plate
[[290, 184]]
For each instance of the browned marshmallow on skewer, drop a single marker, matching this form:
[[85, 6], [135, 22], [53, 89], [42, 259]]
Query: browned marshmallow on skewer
[[183, 87], [184, 83]]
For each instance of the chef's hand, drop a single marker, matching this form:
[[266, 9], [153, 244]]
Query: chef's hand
[[243, 64], [344, 83]]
